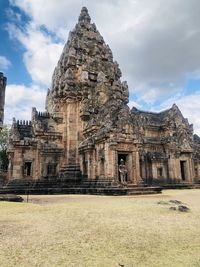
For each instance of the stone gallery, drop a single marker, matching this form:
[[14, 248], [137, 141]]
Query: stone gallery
[[89, 132]]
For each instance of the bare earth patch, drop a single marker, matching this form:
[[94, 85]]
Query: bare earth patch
[[75, 230]]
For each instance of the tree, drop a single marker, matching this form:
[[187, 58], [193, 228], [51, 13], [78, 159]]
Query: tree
[[4, 133]]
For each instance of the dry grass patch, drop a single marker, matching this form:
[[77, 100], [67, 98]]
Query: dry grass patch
[[101, 231]]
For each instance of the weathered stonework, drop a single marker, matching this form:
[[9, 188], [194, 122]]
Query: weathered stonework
[[88, 129]]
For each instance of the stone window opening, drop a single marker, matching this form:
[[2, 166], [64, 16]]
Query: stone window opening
[[27, 168], [160, 172], [51, 169]]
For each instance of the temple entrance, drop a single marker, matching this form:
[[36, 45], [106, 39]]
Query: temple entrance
[[183, 169], [122, 160], [27, 168]]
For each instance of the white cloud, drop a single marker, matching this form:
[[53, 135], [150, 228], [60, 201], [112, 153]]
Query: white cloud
[[4, 63], [20, 100], [41, 53], [53, 15]]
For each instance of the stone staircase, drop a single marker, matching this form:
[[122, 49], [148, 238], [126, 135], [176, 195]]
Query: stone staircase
[[185, 185], [70, 181], [84, 186], [70, 173]]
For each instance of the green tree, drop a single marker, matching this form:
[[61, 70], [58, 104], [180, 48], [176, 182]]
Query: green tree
[[4, 133]]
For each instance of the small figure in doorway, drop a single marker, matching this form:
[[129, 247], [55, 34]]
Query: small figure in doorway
[[122, 172]]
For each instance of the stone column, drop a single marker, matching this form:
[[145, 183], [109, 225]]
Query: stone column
[[18, 164], [92, 164], [10, 166], [137, 177], [71, 132], [190, 170], [110, 162], [171, 168]]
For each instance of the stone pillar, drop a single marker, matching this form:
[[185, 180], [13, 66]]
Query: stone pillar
[[81, 163], [191, 174], [92, 164], [172, 168], [137, 177], [112, 156], [130, 164], [10, 165], [71, 132], [37, 166], [110, 162], [107, 163], [18, 164]]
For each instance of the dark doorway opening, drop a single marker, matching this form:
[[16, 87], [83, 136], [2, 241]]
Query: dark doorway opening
[[51, 169], [27, 168], [85, 165], [123, 157], [159, 172], [183, 169]]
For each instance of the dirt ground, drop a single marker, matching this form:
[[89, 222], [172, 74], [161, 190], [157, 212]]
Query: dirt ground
[[53, 199], [102, 231]]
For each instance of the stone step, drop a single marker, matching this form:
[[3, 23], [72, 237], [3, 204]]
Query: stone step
[[179, 186], [70, 171], [149, 192], [70, 167], [69, 184], [81, 190]]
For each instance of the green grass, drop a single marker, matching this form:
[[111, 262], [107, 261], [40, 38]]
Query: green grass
[[101, 231]]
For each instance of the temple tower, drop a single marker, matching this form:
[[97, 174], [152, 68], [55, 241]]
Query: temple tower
[[85, 79], [3, 81]]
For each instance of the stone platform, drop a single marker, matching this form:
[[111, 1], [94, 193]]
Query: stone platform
[[182, 186], [94, 187]]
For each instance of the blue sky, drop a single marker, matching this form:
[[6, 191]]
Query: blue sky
[[156, 44], [11, 49]]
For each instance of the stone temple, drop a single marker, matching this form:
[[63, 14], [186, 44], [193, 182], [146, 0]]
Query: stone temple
[[88, 132]]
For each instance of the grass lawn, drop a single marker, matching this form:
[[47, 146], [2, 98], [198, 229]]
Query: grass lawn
[[75, 230]]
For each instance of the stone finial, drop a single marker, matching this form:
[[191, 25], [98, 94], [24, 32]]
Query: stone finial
[[174, 106], [34, 113], [84, 15]]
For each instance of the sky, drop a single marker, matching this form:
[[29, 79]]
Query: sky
[[156, 43]]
